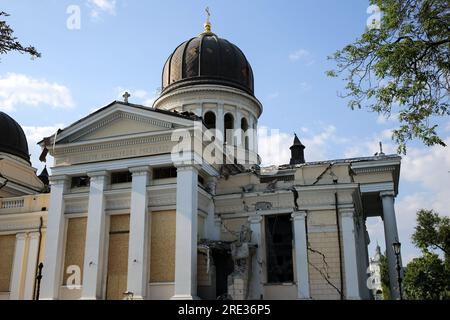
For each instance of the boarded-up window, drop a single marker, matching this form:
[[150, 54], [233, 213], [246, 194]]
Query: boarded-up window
[[7, 246], [162, 261], [116, 283], [75, 243]]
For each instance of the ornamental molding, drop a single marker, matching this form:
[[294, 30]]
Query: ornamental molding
[[374, 169], [112, 151], [115, 116], [376, 187], [206, 88], [76, 206], [118, 142], [19, 226], [118, 203], [163, 200]]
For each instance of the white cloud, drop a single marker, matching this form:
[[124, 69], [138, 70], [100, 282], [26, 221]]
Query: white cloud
[[302, 55], [383, 119], [369, 146], [19, 89], [99, 6], [138, 96], [273, 144], [35, 134]]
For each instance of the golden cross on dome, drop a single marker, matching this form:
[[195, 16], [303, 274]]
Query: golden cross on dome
[[207, 23]]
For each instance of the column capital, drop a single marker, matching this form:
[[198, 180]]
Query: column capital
[[58, 179], [347, 213], [140, 171], [299, 215], [21, 236], [388, 193], [255, 219], [34, 235], [186, 167]]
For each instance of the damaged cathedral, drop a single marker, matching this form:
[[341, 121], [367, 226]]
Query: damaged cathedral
[[121, 217]]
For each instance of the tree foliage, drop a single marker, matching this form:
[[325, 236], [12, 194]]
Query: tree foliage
[[432, 232], [10, 43], [402, 68], [427, 278], [385, 277]]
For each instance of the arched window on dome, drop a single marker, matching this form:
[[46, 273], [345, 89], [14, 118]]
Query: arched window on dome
[[210, 120], [228, 126], [244, 127]]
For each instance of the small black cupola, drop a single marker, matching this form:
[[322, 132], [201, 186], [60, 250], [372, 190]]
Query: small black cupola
[[44, 178], [297, 152]]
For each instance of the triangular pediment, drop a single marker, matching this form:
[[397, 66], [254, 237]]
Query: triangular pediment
[[119, 121]]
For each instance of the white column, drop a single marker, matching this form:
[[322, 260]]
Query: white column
[[391, 236], [301, 255], [95, 237], [350, 256], [30, 276], [19, 267], [139, 234], [54, 241], [256, 277], [237, 126], [186, 231], [251, 134], [220, 126], [255, 136]]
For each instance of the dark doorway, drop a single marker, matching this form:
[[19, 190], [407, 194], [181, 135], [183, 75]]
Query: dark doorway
[[224, 267]]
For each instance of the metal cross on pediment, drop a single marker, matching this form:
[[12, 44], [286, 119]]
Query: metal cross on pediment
[[125, 96]]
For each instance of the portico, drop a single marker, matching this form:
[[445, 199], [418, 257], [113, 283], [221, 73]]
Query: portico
[[379, 201]]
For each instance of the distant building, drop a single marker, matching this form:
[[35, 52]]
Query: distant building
[[375, 275]]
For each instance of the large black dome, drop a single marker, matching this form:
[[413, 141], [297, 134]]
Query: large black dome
[[207, 59], [12, 138]]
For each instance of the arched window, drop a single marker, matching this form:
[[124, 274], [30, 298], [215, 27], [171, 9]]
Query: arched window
[[244, 124], [244, 127], [228, 126], [210, 120]]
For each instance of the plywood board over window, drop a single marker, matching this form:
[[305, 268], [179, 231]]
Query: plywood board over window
[[7, 246], [162, 254], [75, 243], [116, 283]]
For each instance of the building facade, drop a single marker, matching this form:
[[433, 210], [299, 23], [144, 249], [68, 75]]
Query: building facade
[[170, 202]]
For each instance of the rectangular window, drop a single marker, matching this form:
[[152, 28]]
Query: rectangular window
[[279, 249], [121, 177], [78, 182], [164, 173]]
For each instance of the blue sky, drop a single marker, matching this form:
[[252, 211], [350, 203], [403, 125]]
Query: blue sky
[[123, 44]]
